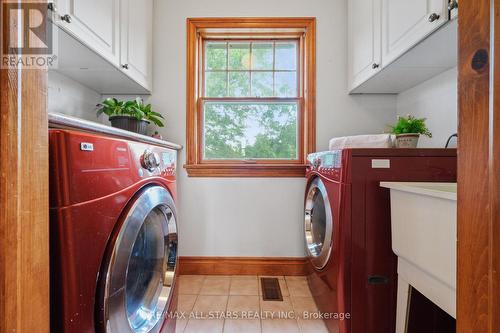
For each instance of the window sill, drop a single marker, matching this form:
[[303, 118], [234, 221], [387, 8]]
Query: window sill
[[240, 170]]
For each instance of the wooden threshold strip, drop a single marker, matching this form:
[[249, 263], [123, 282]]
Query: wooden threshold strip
[[249, 170], [272, 266]]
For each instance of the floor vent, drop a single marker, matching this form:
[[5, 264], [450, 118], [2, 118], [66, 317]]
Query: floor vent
[[271, 289]]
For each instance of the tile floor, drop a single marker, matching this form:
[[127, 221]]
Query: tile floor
[[240, 296]]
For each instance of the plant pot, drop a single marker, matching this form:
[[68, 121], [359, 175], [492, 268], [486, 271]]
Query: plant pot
[[409, 140], [129, 124]]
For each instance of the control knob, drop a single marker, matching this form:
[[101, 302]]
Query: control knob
[[150, 160]]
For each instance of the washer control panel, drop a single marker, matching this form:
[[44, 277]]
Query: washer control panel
[[169, 161], [153, 160]]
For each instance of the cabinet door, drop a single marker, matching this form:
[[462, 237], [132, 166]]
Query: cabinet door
[[94, 23], [406, 22], [364, 39], [137, 40]]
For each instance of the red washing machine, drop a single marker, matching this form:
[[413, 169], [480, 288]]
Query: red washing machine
[[113, 234], [348, 231]]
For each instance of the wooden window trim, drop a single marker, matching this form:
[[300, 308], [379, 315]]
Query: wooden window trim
[[199, 29]]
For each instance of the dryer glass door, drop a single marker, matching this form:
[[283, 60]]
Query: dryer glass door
[[140, 272], [318, 224]]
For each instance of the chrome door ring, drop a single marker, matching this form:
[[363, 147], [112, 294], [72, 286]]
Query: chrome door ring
[[318, 258], [116, 318]]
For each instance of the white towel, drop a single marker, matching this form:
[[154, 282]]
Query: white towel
[[362, 141]]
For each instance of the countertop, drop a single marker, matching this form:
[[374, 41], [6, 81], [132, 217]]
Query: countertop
[[62, 121], [438, 190]]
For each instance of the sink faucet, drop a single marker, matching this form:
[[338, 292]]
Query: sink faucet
[[449, 139]]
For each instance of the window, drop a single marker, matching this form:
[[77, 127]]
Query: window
[[250, 96], [250, 100]]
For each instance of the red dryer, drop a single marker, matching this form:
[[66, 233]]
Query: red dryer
[[113, 234], [348, 231]]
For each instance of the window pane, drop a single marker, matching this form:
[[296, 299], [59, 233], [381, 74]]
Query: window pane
[[215, 84], [238, 130], [216, 57], [262, 56], [239, 84], [262, 84], [286, 84], [239, 56], [286, 56]]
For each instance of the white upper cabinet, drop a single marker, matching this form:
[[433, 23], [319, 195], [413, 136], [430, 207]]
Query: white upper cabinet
[[93, 22], [407, 22], [106, 45], [364, 40], [137, 40], [394, 45]]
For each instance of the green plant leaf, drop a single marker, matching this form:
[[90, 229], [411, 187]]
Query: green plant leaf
[[156, 121], [133, 108], [410, 124], [157, 114], [138, 113], [108, 104]]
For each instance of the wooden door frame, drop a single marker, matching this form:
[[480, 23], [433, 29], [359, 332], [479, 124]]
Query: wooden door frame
[[24, 217], [478, 303], [495, 180]]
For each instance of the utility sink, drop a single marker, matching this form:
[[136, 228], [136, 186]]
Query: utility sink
[[424, 237]]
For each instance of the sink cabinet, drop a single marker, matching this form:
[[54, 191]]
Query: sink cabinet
[[424, 237]]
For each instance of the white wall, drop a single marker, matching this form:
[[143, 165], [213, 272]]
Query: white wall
[[255, 217], [436, 100], [72, 98]]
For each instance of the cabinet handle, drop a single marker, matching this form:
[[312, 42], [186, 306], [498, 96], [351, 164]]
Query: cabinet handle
[[375, 66], [52, 7], [453, 4], [125, 66], [66, 18], [434, 17]]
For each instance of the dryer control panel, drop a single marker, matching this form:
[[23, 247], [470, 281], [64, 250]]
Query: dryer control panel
[[328, 163], [326, 159]]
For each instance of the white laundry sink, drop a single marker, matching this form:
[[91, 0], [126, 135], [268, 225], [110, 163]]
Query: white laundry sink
[[424, 237]]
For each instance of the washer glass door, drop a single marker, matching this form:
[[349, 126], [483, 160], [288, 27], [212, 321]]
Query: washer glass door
[[318, 224], [140, 273]]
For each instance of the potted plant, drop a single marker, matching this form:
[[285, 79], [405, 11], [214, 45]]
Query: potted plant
[[132, 115], [408, 130]]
